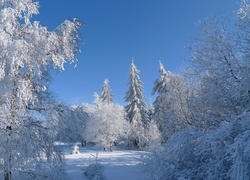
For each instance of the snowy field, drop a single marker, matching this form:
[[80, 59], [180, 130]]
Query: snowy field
[[120, 164]]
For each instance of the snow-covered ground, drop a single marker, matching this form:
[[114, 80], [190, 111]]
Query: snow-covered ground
[[118, 165]]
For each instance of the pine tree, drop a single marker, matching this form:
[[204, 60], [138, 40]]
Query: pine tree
[[136, 107], [106, 95]]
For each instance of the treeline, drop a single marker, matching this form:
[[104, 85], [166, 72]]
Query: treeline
[[107, 123], [201, 116]]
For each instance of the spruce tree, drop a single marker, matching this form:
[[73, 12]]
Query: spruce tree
[[106, 95], [136, 107], [160, 104], [170, 105]]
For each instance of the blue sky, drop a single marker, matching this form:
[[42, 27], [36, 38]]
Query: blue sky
[[117, 30]]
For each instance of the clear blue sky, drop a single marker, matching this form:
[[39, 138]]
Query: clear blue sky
[[117, 30]]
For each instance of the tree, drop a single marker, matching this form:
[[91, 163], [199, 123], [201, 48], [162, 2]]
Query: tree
[[107, 124], [28, 52], [72, 124], [220, 102], [216, 69], [222, 153], [219, 68], [153, 137], [106, 95], [150, 110], [170, 106], [136, 108]]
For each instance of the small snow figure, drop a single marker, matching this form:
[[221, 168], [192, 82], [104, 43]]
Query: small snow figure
[[75, 150]]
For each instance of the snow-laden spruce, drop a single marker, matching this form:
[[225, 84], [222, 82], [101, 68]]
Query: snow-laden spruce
[[106, 95], [28, 51], [136, 108], [170, 106]]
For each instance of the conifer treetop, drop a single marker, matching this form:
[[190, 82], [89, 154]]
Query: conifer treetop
[[106, 95]]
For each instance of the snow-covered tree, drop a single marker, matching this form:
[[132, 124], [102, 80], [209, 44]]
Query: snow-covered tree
[[150, 111], [136, 108], [170, 106], [28, 51], [215, 67], [218, 99], [107, 124], [153, 137], [175, 159], [222, 153], [219, 69], [106, 95], [72, 124]]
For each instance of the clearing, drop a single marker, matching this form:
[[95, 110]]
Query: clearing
[[119, 164]]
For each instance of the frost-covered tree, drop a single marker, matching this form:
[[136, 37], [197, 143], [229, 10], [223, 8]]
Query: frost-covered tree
[[107, 124], [219, 69], [243, 39], [72, 124], [215, 69], [222, 153], [152, 137], [170, 106], [27, 53], [136, 108], [106, 95], [150, 111]]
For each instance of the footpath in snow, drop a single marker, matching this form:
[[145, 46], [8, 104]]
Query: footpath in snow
[[118, 165]]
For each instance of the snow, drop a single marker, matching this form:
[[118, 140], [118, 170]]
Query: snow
[[120, 164]]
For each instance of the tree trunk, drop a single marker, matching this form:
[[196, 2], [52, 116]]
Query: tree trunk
[[7, 175], [83, 143], [7, 168], [13, 120]]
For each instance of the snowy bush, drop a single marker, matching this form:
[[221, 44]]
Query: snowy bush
[[95, 172], [193, 154], [75, 150], [176, 158]]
